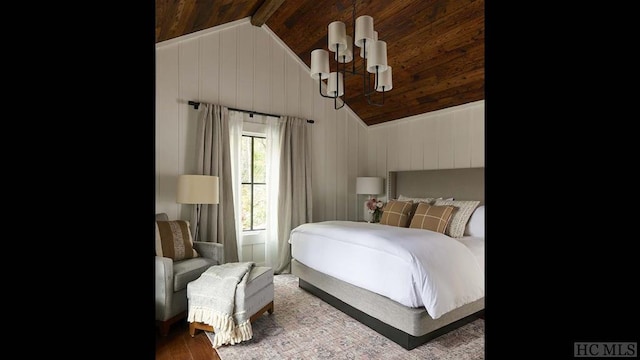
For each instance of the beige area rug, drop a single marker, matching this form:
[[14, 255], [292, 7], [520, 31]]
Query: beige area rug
[[305, 327]]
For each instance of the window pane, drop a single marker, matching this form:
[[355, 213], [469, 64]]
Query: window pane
[[245, 160], [259, 160], [259, 206], [246, 207]]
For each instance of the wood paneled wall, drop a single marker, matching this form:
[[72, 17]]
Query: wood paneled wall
[[246, 67], [445, 139]]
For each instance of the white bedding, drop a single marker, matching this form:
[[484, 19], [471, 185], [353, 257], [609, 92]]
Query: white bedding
[[476, 245], [414, 267]]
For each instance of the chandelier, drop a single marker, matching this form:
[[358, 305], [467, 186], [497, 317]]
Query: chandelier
[[374, 60]]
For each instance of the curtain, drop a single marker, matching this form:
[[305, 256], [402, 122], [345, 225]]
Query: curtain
[[293, 196], [235, 144], [218, 221]]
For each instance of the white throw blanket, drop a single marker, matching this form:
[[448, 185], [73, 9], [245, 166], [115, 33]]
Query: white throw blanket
[[212, 302]]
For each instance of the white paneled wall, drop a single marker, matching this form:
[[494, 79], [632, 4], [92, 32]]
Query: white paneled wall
[[445, 139], [246, 67]]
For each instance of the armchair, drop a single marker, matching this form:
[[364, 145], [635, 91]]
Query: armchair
[[172, 277]]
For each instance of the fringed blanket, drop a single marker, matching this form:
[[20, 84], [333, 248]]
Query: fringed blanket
[[212, 302]]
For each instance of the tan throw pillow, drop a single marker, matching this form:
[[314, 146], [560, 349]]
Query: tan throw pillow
[[173, 240], [431, 217], [461, 214], [416, 201], [396, 213]]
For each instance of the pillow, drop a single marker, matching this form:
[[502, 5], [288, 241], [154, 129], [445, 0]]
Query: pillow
[[162, 216], [460, 216], [416, 201], [429, 200], [431, 217], [396, 213], [173, 240], [475, 226]]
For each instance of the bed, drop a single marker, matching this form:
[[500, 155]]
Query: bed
[[408, 284]]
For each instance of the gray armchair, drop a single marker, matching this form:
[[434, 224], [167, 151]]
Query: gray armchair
[[172, 278]]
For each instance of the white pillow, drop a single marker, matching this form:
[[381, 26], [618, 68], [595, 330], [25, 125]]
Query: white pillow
[[475, 226], [428, 200]]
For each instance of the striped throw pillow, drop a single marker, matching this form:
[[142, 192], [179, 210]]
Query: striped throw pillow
[[461, 214], [396, 213], [173, 240], [431, 217]]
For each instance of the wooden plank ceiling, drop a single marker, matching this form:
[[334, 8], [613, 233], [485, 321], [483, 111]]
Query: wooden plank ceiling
[[435, 47]]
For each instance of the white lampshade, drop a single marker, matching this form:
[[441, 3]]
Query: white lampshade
[[369, 185], [377, 56], [337, 35], [319, 64], [385, 80], [332, 87], [198, 189], [363, 53], [364, 30], [348, 52]]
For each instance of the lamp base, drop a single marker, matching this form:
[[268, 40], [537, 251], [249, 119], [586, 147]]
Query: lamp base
[[368, 217]]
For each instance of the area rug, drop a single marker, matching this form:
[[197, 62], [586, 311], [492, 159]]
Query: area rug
[[305, 327]]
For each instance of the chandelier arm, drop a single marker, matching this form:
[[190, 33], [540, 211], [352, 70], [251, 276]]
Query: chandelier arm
[[368, 93], [368, 96], [353, 19], [335, 103], [365, 86], [320, 89], [375, 103], [344, 91]]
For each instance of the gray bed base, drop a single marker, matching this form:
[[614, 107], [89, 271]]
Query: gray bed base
[[408, 327]]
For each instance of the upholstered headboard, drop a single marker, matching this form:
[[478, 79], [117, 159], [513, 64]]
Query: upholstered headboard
[[461, 184]]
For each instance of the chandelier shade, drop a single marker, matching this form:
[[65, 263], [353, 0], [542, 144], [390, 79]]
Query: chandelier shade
[[363, 51], [335, 84], [377, 57], [320, 64], [364, 30], [337, 36], [385, 80], [345, 55]]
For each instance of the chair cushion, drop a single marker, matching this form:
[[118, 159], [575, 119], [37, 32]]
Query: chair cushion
[[185, 271]]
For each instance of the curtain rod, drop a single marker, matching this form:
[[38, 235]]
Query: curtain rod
[[197, 104]]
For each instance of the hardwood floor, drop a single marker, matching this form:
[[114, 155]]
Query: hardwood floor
[[179, 345]]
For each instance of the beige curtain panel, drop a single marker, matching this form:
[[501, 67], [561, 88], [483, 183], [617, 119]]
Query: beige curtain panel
[[218, 221]]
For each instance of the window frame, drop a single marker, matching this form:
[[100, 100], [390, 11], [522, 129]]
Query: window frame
[[253, 136]]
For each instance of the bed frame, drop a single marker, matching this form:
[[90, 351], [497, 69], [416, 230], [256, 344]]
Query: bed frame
[[406, 326]]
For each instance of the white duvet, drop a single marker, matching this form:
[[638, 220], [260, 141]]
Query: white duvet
[[414, 267]]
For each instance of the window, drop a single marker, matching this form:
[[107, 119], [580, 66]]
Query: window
[[254, 185]]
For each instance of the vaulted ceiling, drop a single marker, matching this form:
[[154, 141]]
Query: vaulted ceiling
[[435, 47]]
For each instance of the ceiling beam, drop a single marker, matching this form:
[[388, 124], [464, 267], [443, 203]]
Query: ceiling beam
[[265, 11]]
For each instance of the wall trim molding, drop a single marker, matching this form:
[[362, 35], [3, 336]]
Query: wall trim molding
[[204, 32], [429, 114]]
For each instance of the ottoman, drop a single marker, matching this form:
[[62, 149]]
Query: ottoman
[[256, 295]]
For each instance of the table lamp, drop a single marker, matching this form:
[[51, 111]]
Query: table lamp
[[369, 185]]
